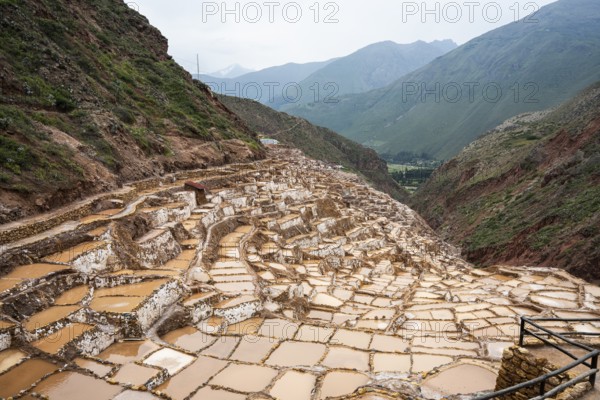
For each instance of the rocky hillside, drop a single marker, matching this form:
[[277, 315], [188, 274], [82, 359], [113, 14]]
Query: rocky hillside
[[316, 142], [90, 99], [519, 67], [526, 193]]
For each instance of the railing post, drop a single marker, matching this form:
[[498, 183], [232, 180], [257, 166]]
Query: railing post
[[542, 387], [522, 332], [594, 366]]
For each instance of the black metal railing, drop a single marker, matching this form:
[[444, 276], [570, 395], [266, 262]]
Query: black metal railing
[[545, 334]]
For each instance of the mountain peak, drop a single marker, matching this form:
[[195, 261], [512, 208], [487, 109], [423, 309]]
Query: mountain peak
[[232, 71]]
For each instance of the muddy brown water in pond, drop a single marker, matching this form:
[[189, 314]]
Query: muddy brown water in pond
[[48, 316], [72, 296], [34, 271], [222, 347], [247, 327], [212, 394], [189, 338], [290, 354], [53, 343], [253, 349], [73, 386], [339, 383], [343, 357], [133, 374], [97, 368], [391, 363], [23, 376], [461, 379], [192, 377], [10, 358], [116, 304], [125, 352], [245, 378], [135, 289], [294, 385]]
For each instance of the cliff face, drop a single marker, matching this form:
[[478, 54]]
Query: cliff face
[[90, 100], [527, 192]]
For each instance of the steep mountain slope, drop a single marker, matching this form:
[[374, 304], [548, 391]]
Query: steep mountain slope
[[369, 68], [90, 99], [528, 192], [316, 142], [246, 85], [443, 106]]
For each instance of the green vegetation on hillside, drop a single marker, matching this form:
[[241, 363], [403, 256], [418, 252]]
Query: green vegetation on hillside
[[440, 108], [316, 142], [89, 98], [528, 192]]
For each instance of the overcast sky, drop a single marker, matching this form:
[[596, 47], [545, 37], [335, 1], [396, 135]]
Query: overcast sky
[[266, 33]]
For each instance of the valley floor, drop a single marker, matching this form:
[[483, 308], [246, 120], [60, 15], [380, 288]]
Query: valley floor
[[285, 280]]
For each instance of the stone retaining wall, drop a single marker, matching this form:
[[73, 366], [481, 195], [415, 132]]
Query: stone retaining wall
[[519, 365]]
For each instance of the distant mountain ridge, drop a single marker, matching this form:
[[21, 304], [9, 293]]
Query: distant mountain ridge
[[256, 85], [232, 71], [371, 67], [443, 106]]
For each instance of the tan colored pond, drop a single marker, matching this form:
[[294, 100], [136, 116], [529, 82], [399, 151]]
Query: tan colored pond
[[48, 316], [384, 362], [253, 349], [72, 296], [460, 379], [133, 374], [245, 378], [294, 385], [135, 289], [343, 357], [24, 376], [189, 338], [116, 304], [340, 383], [129, 351], [53, 343], [290, 354], [197, 374], [9, 358], [71, 386]]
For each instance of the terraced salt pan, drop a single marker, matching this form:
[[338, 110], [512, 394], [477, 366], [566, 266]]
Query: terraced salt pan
[[48, 316], [245, 378], [172, 360], [294, 385], [73, 296], [290, 354], [9, 358], [71, 386], [133, 374], [98, 369], [129, 351], [24, 376], [190, 339], [54, 343], [460, 379], [340, 383], [192, 377]]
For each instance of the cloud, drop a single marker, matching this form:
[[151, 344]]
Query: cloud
[[259, 34]]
